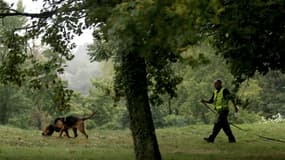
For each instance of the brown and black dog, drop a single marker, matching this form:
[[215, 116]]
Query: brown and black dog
[[63, 124]]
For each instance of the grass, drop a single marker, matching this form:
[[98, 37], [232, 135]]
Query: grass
[[175, 144]]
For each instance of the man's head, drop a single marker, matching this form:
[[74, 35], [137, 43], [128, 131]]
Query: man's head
[[218, 84]]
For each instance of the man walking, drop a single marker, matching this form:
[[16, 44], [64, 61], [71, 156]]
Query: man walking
[[220, 100]]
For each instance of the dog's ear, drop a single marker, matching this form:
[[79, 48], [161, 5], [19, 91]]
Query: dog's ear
[[58, 124], [49, 130]]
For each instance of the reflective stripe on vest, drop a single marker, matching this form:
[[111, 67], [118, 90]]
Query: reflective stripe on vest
[[220, 102]]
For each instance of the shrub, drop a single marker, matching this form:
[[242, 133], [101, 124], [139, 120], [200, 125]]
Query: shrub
[[244, 116], [175, 120]]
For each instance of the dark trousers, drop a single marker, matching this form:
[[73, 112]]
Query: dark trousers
[[222, 123]]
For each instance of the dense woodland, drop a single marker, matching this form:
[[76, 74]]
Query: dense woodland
[[157, 59]]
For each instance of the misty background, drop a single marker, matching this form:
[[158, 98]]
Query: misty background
[[80, 71]]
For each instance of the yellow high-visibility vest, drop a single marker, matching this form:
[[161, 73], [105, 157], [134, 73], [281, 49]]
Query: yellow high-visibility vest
[[220, 102]]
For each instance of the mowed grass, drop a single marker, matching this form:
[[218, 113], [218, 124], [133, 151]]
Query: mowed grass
[[175, 144]]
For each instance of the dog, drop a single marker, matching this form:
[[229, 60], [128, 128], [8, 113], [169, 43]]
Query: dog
[[63, 124]]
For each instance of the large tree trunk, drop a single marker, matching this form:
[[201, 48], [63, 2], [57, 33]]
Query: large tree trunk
[[4, 106], [141, 123]]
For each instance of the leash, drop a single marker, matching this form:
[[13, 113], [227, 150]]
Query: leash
[[247, 131]]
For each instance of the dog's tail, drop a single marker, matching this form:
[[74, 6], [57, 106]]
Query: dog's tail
[[92, 115]]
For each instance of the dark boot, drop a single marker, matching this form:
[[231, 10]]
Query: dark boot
[[209, 140], [232, 139]]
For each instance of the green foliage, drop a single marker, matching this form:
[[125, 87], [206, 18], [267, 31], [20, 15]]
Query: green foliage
[[24, 107], [20, 66], [264, 94], [256, 97], [12, 102], [111, 114], [245, 117], [198, 83], [9, 24], [146, 28], [12, 47], [175, 120], [250, 36], [12, 59]]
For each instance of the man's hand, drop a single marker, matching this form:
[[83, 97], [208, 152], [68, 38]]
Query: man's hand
[[203, 101]]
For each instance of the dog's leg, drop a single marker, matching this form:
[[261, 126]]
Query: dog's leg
[[66, 132], [75, 132], [82, 129], [61, 131]]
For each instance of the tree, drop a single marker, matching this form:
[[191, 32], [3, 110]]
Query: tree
[[249, 35], [145, 38], [18, 63], [9, 64], [264, 94], [11, 98]]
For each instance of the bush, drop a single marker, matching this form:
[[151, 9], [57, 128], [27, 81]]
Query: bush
[[120, 120], [112, 125], [175, 120], [244, 116]]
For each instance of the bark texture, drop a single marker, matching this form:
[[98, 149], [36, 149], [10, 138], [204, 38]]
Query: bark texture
[[141, 122]]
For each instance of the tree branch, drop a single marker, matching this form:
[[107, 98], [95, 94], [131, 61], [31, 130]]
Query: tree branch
[[14, 12]]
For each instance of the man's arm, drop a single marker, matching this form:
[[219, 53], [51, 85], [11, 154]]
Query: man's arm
[[230, 97], [209, 101]]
